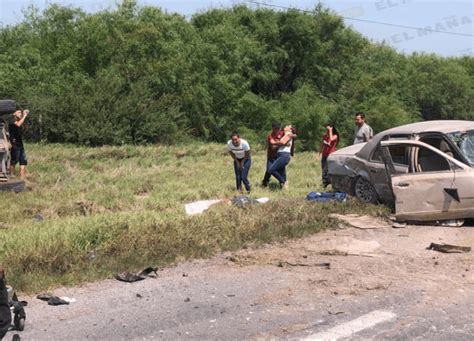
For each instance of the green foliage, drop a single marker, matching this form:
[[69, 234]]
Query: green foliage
[[140, 75]]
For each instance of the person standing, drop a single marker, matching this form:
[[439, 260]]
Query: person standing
[[18, 154], [239, 149], [363, 132], [272, 146], [329, 143], [284, 153]]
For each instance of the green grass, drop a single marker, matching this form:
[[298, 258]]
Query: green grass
[[112, 209]]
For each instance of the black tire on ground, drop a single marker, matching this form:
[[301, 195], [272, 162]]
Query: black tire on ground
[[365, 191], [12, 186]]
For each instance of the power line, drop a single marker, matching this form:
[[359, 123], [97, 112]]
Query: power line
[[366, 21]]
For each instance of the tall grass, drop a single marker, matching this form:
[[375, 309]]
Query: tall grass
[[110, 209]]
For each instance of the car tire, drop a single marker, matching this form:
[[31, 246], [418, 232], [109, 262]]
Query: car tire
[[365, 191]]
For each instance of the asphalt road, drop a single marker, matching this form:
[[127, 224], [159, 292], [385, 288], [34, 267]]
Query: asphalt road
[[386, 287]]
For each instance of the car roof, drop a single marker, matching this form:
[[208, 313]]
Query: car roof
[[440, 126]]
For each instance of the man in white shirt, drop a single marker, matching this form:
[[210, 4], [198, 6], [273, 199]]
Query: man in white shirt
[[239, 149], [363, 132]]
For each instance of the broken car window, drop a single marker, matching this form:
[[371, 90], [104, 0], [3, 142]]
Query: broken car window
[[465, 141]]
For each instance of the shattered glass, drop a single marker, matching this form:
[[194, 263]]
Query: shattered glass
[[465, 141]]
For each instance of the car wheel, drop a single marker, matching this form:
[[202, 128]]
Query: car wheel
[[365, 191]]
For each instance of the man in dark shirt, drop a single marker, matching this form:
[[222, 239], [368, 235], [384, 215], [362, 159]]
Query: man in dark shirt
[[272, 146], [16, 139]]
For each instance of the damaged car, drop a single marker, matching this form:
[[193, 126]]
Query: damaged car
[[424, 170]]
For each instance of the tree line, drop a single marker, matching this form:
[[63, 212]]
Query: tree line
[[141, 75]]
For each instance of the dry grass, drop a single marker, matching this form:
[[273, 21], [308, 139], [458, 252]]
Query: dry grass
[[110, 209]]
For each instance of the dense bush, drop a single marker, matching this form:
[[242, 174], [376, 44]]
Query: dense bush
[[138, 74]]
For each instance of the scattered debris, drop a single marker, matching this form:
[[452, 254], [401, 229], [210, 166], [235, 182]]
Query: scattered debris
[[336, 313], [232, 259], [360, 222], [447, 248], [399, 224], [327, 196], [134, 277], [197, 207], [67, 299], [187, 299], [243, 201], [139, 296], [38, 217], [263, 200], [185, 274], [325, 265], [450, 223], [52, 299]]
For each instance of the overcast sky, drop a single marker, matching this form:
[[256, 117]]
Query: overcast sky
[[455, 18]]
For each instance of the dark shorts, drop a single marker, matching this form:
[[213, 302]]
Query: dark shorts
[[19, 155]]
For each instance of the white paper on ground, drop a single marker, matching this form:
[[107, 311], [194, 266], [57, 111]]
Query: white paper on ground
[[67, 299], [263, 200], [200, 206]]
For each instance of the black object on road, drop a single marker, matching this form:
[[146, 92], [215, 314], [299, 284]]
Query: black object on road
[[130, 277], [447, 248], [51, 299]]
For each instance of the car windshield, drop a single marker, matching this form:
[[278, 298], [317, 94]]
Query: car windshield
[[465, 141]]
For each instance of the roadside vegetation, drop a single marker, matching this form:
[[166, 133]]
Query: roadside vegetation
[[89, 213], [132, 74]]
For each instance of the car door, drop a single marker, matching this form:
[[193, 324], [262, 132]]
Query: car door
[[399, 155], [438, 187]]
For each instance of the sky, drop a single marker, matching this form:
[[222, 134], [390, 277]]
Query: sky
[[397, 20]]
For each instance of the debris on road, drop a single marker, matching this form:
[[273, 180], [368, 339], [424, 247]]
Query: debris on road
[[327, 196], [450, 223], [399, 225], [361, 222], [130, 277], [447, 248], [324, 265], [52, 299]]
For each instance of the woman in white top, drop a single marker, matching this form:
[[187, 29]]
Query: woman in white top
[[284, 154], [239, 149]]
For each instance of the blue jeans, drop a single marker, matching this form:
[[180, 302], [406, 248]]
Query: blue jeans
[[241, 175], [278, 168], [324, 171], [267, 176]]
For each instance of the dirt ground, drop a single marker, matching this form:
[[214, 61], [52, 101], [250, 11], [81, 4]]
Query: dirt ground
[[367, 259], [286, 290]]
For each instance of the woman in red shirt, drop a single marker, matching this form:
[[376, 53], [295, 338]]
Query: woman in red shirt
[[328, 146]]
